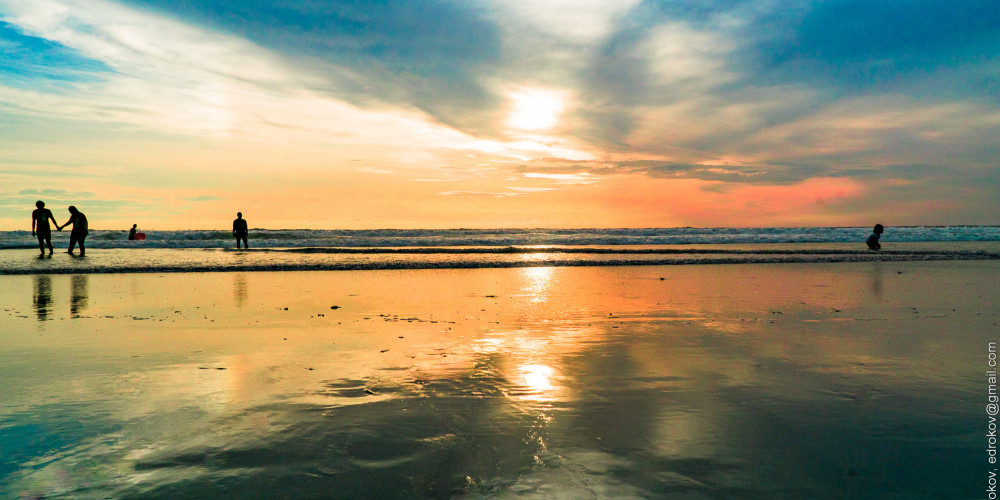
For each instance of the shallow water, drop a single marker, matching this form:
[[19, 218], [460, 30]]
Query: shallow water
[[160, 260], [849, 380]]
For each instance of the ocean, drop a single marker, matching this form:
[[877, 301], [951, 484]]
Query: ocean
[[299, 238], [814, 369], [318, 250]]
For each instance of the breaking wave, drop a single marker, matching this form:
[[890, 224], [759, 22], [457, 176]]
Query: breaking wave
[[394, 238]]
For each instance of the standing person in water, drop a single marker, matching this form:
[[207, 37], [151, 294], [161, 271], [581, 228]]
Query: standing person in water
[[80, 229], [872, 240], [40, 226], [131, 232], [240, 230]]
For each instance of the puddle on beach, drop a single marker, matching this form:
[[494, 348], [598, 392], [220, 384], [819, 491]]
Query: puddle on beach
[[862, 380]]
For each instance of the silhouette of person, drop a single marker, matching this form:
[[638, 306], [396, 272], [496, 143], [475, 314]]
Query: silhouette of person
[[240, 230], [872, 240], [80, 229], [40, 226], [131, 232]]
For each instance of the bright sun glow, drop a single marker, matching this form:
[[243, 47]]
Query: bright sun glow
[[535, 109], [538, 377]]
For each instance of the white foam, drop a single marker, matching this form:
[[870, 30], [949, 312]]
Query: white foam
[[287, 238]]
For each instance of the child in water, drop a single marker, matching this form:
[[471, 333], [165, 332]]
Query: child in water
[[872, 240]]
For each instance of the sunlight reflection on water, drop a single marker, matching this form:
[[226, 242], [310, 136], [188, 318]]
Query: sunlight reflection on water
[[823, 381]]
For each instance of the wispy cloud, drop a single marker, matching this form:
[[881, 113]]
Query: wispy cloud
[[511, 191], [202, 198], [46, 192], [574, 178]]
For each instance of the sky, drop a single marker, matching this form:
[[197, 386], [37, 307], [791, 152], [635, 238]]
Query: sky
[[176, 114]]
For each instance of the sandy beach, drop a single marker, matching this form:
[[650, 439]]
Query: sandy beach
[[824, 380]]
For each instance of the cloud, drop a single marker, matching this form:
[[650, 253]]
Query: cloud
[[574, 178], [26, 203], [44, 192], [512, 191], [591, 172], [529, 190], [728, 93], [859, 47], [202, 198], [705, 76], [571, 21], [175, 77], [648, 77], [426, 54]]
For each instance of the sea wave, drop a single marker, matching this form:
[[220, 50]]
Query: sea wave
[[309, 238], [20, 262]]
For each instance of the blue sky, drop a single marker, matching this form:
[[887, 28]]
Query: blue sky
[[36, 62], [503, 113]]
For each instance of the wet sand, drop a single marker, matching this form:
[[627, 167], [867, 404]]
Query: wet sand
[[832, 380]]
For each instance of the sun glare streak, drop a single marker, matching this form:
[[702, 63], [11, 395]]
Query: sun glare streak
[[537, 280]]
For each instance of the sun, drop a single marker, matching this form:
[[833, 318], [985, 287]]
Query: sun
[[535, 109]]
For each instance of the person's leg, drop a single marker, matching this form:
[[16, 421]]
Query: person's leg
[[41, 244], [237, 242], [49, 241], [245, 244], [72, 243], [81, 240]]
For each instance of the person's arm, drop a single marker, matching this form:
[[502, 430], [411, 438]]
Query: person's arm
[[33, 222], [64, 225], [54, 220]]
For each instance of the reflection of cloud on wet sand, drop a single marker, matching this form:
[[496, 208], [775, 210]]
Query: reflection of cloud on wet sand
[[616, 382]]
